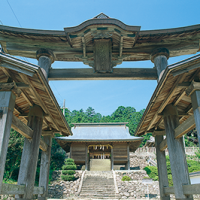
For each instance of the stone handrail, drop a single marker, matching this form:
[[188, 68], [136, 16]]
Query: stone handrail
[[8, 189], [115, 183], [81, 183]]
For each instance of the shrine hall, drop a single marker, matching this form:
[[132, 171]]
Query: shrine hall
[[100, 141]]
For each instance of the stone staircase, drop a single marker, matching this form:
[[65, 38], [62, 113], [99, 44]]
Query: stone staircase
[[98, 185]]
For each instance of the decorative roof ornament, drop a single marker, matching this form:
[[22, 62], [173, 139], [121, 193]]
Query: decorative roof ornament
[[101, 16]]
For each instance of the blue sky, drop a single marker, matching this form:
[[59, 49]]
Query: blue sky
[[103, 96]]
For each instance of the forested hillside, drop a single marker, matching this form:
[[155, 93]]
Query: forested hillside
[[121, 114]]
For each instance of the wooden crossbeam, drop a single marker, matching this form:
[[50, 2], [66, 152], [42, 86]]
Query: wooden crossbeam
[[18, 189], [47, 133], [178, 99], [185, 127], [163, 145], [187, 189], [158, 133], [43, 145], [117, 74], [21, 128], [182, 129], [26, 131], [193, 86]]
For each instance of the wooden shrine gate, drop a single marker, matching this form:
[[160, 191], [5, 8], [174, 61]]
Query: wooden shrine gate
[[102, 43]]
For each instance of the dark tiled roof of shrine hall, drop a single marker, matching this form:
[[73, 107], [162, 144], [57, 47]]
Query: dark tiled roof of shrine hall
[[90, 132]]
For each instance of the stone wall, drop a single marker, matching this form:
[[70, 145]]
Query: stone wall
[[59, 189], [138, 161], [136, 189]]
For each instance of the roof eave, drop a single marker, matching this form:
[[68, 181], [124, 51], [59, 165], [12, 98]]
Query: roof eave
[[169, 69]]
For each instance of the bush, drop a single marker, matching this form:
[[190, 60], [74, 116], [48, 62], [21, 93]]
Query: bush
[[152, 172], [68, 170], [69, 160], [126, 178], [68, 177], [193, 166], [69, 167], [170, 180]]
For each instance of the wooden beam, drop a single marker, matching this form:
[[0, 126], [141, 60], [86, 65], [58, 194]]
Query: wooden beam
[[191, 189], [185, 70], [182, 129], [184, 85], [121, 46], [43, 146], [158, 133], [193, 86], [18, 189], [185, 127], [21, 128], [84, 47], [163, 145], [16, 68], [9, 86], [187, 189], [26, 131], [117, 74], [177, 100], [49, 133]]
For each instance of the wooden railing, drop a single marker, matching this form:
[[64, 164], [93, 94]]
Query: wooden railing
[[187, 189], [11, 189]]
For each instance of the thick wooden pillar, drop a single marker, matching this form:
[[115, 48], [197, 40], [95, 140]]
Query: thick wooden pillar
[[128, 158], [44, 167], [176, 150], [162, 168], [195, 96], [45, 59], [30, 152], [159, 57], [86, 157], [112, 159], [7, 104]]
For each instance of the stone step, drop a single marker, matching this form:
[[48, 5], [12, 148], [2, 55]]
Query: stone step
[[98, 188], [96, 195], [98, 185], [93, 198], [97, 191]]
